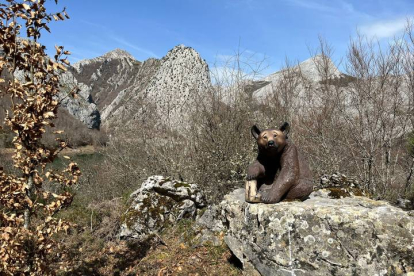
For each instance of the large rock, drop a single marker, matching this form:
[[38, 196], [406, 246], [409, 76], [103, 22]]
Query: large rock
[[338, 180], [320, 236], [158, 203], [81, 107]]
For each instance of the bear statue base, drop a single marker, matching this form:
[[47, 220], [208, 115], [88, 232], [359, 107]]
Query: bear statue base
[[251, 192]]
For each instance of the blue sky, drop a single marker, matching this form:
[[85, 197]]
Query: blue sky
[[217, 28]]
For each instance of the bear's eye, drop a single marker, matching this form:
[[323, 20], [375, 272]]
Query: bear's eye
[[274, 135], [265, 137]]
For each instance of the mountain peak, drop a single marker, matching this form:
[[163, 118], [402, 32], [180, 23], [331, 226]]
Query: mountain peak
[[311, 67], [114, 54], [181, 53], [182, 49], [118, 53]]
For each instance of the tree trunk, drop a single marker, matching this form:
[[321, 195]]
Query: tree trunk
[[410, 174], [370, 176], [29, 194]]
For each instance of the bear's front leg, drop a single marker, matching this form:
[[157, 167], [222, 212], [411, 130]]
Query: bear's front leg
[[288, 178], [255, 171]]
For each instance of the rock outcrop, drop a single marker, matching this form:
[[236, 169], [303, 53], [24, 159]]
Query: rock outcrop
[[338, 180], [98, 82], [158, 203], [182, 80], [82, 107], [128, 99], [170, 88], [320, 236]]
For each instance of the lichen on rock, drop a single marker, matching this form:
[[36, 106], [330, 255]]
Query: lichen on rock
[[158, 203], [320, 236]]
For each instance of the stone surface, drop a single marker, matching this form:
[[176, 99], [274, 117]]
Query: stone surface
[[82, 107], [211, 219], [158, 203], [320, 236], [338, 180], [404, 203], [210, 226], [182, 80]]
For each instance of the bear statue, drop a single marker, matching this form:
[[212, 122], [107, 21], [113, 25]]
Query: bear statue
[[280, 171]]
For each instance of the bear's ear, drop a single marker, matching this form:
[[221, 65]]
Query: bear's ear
[[255, 131], [285, 128]]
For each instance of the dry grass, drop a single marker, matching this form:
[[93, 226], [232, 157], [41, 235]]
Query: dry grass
[[181, 256], [94, 249]]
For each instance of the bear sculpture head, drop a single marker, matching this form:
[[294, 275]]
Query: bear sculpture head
[[271, 140]]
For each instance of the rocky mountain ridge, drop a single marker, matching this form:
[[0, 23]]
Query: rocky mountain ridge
[[116, 89], [121, 88]]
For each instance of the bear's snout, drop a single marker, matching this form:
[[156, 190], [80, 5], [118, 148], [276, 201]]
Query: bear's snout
[[271, 143]]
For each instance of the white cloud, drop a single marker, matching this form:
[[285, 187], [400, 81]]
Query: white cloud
[[224, 58], [132, 46], [95, 25], [313, 5], [384, 29], [333, 7]]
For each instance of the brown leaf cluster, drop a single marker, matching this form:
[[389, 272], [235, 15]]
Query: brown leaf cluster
[[27, 209]]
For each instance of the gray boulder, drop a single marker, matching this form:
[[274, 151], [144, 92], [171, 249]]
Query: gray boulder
[[320, 236], [158, 203], [338, 180], [405, 203], [210, 226], [211, 219]]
